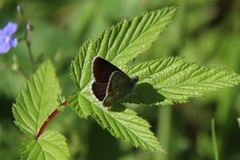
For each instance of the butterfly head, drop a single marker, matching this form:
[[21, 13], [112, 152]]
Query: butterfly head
[[135, 79]]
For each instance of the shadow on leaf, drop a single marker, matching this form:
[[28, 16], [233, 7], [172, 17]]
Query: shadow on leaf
[[145, 94], [118, 107]]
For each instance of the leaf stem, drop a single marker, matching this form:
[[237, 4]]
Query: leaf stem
[[214, 141], [27, 32], [28, 44], [50, 117]]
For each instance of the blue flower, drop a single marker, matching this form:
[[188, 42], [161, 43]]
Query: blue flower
[[6, 39]]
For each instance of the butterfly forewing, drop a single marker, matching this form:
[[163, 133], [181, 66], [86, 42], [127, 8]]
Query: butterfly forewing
[[99, 90], [102, 70]]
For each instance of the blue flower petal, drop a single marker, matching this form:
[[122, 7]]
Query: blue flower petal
[[10, 28], [6, 39], [4, 48], [13, 42], [2, 35]]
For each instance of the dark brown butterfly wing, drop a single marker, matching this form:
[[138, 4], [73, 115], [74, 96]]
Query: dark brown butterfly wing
[[99, 90], [102, 70]]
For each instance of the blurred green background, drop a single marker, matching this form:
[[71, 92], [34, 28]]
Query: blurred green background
[[206, 32]]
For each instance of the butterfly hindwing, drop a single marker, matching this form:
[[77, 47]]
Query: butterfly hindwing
[[118, 87]]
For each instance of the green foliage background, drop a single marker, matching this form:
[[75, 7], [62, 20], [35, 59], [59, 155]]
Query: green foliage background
[[207, 32]]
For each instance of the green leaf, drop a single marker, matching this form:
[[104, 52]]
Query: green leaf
[[123, 124], [50, 145], [80, 67], [81, 102], [165, 81], [128, 126], [176, 80], [38, 100], [120, 44], [128, 39]]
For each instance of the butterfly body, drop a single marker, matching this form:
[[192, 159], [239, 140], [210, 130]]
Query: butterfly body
[[111, 84]]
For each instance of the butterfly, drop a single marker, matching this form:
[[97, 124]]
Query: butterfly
[[110, 83]]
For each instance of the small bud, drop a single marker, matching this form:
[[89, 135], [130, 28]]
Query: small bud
[[15, 66], [29, 27], [19, 9]]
